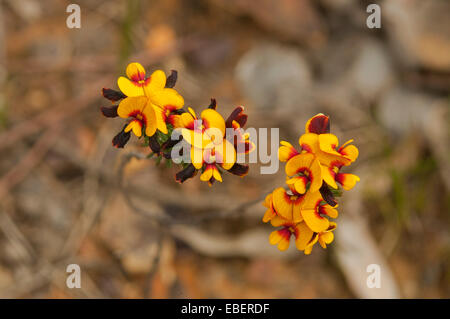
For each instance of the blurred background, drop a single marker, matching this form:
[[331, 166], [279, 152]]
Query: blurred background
[[61, 201]]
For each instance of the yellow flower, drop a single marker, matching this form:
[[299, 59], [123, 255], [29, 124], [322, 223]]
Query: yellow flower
[[209, 147], [305, 173], [318, 141], [284, 204], [142, 115], [281, 237], [315, 211], [163, 99], [286, 151], [324, 238]]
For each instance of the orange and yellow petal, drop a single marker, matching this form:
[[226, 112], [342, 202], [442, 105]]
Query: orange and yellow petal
[[328, 176], [151, 120], [311, 244], [184, 120], [286, 151], [315, 176], [196, 138], [216, 174], [314, 221], [297, 211], [157, 81], [311, 200], [328, 210], [309, 142], [197, 157], [135, 72], [135, 126], [326, 239], [130, 105], [328, 143], [282, 203], [160, 118], [304, 235], [281, 238], [212, 119], [350, 151], [225, 154], [348, 181], [129, 88], [208, 173], [269, 215], [298, 163], [278, 221], [268, 201], [299, 183], [166, 98]]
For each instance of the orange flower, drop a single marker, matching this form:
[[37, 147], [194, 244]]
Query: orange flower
[[315, 212], [305, 173], [324, 238], [281, 237], [284, 204]]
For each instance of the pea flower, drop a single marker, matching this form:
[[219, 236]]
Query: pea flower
[[305, 209], [285, 204], [281, 237], [315, 212], [146, 102], [324, 238]]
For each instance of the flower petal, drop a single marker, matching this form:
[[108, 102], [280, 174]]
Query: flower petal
[[309, 142], [280, 237], [135, 72], [304, 235], [129, 88], [328, 210], [130, 105], [166, 97], [208, 173], [298, 163], [225, 154], [286, 151], [269, 214], [197, 157], [216, 174], [212, 119], [314, 221], [348, 181], [135, 126], [350, 151], [328, 176], [196, 138], [157, 81], [282, 203], [151, 120], [318, 124]]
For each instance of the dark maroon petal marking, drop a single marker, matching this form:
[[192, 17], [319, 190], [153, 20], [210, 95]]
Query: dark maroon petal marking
[[113, 95], [109, 111], [238, 116], [186, 173], [320, 125], [239, 169], [121, 139], [213, 104], [172, 79], [153, 144], [327, 195]]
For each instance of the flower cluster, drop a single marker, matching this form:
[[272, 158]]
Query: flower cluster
[[153, 110], [305, 207]]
